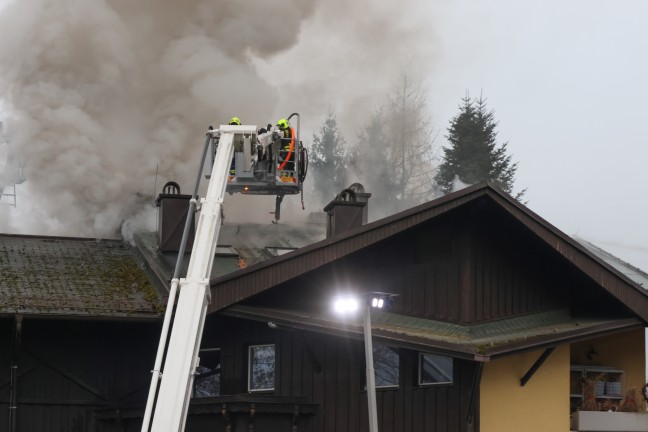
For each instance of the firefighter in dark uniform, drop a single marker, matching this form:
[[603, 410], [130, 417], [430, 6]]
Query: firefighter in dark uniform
[[286, 168], [235, 121]]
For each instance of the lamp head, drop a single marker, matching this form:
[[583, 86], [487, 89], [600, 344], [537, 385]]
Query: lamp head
[[345, 305]]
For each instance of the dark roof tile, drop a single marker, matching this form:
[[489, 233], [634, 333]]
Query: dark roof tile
[[52, 276]]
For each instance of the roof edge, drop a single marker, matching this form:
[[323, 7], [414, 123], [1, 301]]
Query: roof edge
[[477, 190], [45, 237]]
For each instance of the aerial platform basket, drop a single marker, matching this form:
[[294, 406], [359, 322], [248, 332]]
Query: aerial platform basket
[[260, 163]]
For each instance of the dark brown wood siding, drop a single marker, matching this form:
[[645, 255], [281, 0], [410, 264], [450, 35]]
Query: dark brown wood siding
[[69, 371], [338, 388], [6, 342], [479, 208], [512, 272], [455, 269]]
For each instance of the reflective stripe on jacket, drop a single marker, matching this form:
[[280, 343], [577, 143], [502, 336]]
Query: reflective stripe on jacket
[[288, 133]]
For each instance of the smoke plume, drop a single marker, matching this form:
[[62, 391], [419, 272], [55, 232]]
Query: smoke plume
[[106, 100]]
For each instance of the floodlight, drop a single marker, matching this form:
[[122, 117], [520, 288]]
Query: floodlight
[[344, 305], [377, 302]]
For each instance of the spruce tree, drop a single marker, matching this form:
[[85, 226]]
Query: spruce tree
[[367, 164], [474, 154], [327, 159]]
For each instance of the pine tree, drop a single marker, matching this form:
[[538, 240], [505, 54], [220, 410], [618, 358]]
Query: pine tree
[[327, 159], [474, 154]]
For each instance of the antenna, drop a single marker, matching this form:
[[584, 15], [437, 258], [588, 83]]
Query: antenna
[[157, 222], [11, 194], [156, 176]]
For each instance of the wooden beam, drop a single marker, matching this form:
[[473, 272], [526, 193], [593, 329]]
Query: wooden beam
[[527, 376], [69, 376]]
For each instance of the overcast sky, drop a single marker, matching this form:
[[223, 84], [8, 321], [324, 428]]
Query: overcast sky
[[566, 79], [568, 83]]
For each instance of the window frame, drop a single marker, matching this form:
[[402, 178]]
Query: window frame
[[420, 371], [249, 373]]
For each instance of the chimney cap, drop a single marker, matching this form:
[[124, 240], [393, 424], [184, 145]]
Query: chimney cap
[[170, 190], [354, 195]]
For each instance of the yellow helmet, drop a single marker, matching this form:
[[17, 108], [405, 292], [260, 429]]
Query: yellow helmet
[[283, 124], [235, 121]]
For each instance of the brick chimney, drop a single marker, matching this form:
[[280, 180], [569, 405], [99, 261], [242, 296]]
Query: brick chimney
[[348, 210], [172, 215]]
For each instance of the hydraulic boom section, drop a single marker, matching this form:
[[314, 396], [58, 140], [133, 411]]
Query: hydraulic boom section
[[239, 159], [170, 407]]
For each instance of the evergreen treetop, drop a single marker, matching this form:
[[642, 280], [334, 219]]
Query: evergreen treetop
[[327, 158], [474, 154]]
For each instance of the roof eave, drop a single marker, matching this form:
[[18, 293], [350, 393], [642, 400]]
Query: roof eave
[[351, 330], [72, 316], [471, 351], [567, 337]]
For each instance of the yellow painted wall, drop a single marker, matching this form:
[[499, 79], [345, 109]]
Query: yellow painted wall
[[625, 351], [541, 405]]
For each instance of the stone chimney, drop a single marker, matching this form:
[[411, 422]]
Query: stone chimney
[[172, 215], [348, 210]]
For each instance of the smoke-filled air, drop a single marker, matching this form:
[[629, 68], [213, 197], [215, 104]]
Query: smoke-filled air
[[104, 101]]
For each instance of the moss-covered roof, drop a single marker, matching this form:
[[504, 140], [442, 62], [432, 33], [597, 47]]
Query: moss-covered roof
[[64, 276]]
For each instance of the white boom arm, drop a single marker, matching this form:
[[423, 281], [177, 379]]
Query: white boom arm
[[182, 356]]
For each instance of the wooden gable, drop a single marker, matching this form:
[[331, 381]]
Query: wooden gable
[[473, 256], [477, 275], [473, 265]]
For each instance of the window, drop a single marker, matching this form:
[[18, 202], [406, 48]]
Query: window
[[278, 251], [386, 366], [224, 251], [434, 369], [261, 363], [207, 379]]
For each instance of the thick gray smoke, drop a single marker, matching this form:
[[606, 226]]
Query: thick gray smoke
[[348, 56], [101, 95]]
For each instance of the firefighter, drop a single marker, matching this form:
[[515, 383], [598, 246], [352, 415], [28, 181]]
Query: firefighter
[[286, 151], [235, 121]]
